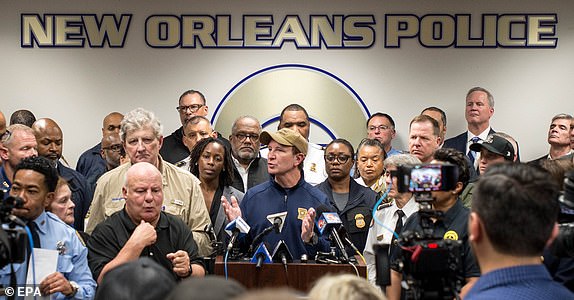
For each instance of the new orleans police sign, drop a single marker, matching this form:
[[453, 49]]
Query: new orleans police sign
[[516, 30]]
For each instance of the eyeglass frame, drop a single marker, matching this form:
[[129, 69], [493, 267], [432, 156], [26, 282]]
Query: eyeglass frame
[[252, 137], [118, 148], [5, 136], [380, 128], [183, 109], [331, 158]]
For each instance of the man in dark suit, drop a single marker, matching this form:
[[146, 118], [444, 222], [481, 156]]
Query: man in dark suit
[[559, 139], [479, 110], [50, 145]]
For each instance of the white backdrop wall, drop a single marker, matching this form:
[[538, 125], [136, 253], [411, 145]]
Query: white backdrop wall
[[77, 87]]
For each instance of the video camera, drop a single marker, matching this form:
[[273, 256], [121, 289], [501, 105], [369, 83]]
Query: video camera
[[563, 246], [429, 263], [13, 238]]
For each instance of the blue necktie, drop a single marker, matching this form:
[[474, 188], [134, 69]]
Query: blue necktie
[[472, 154]]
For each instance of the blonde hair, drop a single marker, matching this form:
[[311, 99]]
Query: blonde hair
[[345, 287]]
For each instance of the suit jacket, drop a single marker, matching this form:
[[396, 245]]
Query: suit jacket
[[81, 194], [256, 174], [459, 142], [539, 161]]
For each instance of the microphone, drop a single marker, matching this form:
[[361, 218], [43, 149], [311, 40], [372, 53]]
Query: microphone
[[282, 254], [328, 223], [342, 231], [235, 228], [277, 220], [261, 256]]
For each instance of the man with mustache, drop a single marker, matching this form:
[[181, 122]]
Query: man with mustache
[[250, 169]]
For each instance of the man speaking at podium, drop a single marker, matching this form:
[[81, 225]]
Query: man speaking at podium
[[286, 191]]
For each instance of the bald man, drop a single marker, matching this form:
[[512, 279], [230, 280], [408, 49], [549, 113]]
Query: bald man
[[50, 141], [91, 163]]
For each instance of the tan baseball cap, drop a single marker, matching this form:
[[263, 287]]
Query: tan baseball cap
[[286, 137]]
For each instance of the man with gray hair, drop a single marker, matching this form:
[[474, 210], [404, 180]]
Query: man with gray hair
[[559, 140], [479, 109], [391, 214], [194, 130], [250, 169], [18, 142], [141, 134]]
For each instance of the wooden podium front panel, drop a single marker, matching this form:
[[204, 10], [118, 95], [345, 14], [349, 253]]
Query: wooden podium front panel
[[300, 276]]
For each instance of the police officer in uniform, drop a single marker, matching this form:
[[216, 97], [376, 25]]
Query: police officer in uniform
[[35, 182]]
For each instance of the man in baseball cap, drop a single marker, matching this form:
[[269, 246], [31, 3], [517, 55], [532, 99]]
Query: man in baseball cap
[[286, 191], [495, 149]]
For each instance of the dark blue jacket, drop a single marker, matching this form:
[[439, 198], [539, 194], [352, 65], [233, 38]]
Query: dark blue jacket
[[357, 215], [92, 165], [269, 198], [81, 194]]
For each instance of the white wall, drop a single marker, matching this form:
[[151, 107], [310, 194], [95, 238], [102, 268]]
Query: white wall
[[77, 87]]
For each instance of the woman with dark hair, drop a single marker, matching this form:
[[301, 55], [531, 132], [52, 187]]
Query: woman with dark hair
[[211, 162]]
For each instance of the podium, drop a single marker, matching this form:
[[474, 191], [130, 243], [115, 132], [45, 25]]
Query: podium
[[299, 276]]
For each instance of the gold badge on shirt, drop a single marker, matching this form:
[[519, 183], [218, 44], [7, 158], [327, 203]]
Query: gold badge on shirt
[[451, 235], [313, 167], [360, 221], [301, 213]]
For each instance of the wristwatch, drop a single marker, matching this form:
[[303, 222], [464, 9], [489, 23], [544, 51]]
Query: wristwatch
[[75, 288]]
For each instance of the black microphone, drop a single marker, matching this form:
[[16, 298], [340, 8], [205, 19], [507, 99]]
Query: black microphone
[[277, 220], [282, 254], [261, 256], [328, 223], [345, 236]]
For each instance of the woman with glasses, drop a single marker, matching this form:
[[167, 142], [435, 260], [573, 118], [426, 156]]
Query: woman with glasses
[[211, 162]]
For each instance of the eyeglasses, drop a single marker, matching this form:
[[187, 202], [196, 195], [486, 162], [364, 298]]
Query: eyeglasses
[[380, 128], [5, 136], [341, 158], [115, 148], [243, 136], [192, 108]]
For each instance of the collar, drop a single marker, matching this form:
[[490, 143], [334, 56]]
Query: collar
[[452, 212], [42, 222], [553, 158], [238, 164], [299, 183], [130, 226], [411, 207], [482, 136]]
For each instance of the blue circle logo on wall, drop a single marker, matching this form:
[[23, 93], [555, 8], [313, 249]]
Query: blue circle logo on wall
[[335, 109]]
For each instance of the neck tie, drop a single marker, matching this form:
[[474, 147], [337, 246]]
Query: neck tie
[[35, 237], [471, 154], [398, 229]]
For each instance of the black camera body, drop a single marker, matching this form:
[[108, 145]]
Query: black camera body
[[13, 237], [429, 263], [563, 246], [426, 178]]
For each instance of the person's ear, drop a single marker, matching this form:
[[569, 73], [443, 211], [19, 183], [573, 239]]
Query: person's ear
[[553, 235], [474, 227]]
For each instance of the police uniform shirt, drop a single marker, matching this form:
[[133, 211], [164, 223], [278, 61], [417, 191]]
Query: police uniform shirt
[[110, 237], [54, 234], [379, 235], [453, 226]]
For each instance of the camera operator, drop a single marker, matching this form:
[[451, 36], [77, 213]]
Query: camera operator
[[35, 182], [514, 213], [452, 226]]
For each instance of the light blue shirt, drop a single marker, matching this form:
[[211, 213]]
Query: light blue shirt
[[72, 262], [393, 151]]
